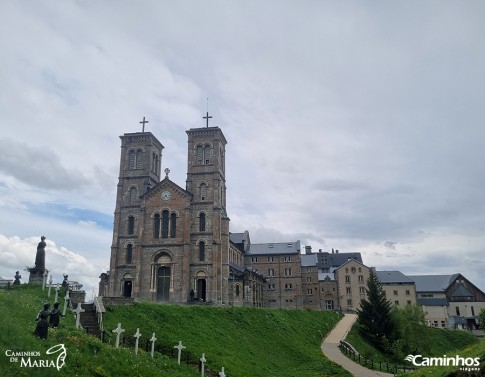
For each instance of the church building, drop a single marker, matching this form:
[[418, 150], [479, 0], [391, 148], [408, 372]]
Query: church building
[[171, 244]]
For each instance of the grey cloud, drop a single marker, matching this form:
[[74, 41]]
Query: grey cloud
[[37, 166]]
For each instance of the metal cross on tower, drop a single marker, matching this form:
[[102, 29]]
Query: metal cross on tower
[[207, 117], [143, 122]]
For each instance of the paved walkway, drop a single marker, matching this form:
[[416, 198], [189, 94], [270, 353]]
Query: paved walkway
[[331, 349]]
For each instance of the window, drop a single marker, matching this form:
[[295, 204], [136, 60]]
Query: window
[[347, 278], [133, 195], [207, 154], [237, 289], [271, 272], [202, 251], [271, 287], [156, 226], [361, 279], [139, 154], [349, 302], [362, 290], [329, 304], [473, 310], [254, 259], [131, 224], [309, 279], [396, 302], [173, 225], [443, 324], [202, 222], [165, 217], [408, 302], [288, 286], [131, 159], [270, 259], [408, 292], [203, 191], [287, 271], [394, 293], [309, 291], [129, 253], [348, 290], [287, 259], [457, 310]]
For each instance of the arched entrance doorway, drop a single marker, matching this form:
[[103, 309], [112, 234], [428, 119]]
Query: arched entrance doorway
[[127, 285], [201, 289], [163, 283]]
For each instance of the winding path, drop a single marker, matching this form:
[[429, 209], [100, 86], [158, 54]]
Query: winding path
[[330, 348]]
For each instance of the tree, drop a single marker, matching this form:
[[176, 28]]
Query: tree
[[412, 329], [375, 319], [481, 319]]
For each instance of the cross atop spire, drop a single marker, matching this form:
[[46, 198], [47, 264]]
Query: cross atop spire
[[143, 122], [207, 117]]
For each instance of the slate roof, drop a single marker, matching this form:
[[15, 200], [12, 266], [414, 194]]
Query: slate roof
[[440, 301], [274, 248], [432, 283], [236, 237], [323, 275], [393, 277], [337, 259], [308, 260]]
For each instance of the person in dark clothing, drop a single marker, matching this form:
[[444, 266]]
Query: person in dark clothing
[[42, 327]]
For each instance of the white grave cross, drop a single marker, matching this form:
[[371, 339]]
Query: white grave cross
[[44, 280], [118, 332], [78, 312], [50, 284], [137, 336], [202, 364], [66, 299], [221, 373], [57, 292], [179, 347], [153, 339]]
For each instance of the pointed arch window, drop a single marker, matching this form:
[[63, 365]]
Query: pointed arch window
[[129, 254], [165, 221], [202, 251], [202, 222], [173, 225], [131, 225], [203, 191], [156, 226]]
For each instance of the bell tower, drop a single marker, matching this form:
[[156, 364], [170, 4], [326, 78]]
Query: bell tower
[[140, 166], [209, 236]]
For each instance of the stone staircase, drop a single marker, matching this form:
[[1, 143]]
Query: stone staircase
[[89, 320]]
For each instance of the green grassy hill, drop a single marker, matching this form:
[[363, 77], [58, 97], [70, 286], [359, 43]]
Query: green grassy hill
[[246, 341], [438, 342]]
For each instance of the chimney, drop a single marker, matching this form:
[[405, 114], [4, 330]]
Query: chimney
[[308, 249]]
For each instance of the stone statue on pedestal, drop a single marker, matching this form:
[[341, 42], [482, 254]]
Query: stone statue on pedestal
[[37, 272]]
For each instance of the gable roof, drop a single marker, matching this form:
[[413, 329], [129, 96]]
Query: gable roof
[[274, 248], [166, 182], [432, 283], [350, 261], [390, 277]]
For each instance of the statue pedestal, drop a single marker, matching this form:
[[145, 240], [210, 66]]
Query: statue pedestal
[[36, 276]]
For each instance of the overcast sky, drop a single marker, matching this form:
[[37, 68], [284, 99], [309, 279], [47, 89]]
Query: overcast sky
[[352, 125]]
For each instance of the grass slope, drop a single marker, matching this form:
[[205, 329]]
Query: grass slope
[[246, 341], [439, 342]]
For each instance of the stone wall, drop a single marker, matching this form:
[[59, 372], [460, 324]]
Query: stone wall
[[77, 297], [117, 301]]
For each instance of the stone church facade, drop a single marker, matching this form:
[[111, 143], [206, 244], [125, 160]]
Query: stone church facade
[[172, 244]]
